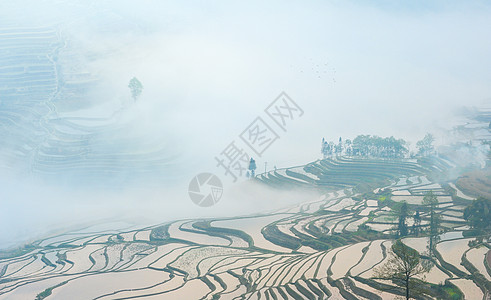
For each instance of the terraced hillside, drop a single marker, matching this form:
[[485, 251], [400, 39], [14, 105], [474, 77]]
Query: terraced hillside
[[323, 249], [48, 129], [362, 174]]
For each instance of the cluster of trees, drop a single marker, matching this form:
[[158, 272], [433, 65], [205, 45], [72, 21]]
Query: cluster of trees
[[365, 146], [388, 147], [425, 146], [330, 149], [478, 216], [405, 266], [430, 205], [375, 146]]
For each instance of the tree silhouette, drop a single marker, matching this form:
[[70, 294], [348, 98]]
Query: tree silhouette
[[402, 229], [425, 146], [252, 167], [417, 223], [478, 215], [402, 267], [136, 88], [431, 201]]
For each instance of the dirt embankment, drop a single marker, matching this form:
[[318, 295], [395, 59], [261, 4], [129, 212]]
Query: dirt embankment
[[476, 183]]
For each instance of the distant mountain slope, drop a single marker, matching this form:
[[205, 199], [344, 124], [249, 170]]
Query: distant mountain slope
[[42, 89]]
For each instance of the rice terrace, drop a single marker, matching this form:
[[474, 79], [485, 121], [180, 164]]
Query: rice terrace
[[186, 150], [329, 247]]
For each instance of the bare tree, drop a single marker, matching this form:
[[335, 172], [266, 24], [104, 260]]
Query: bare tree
[[402, 267]]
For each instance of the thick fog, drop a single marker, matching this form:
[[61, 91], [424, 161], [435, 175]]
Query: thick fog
[[208, 69]]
